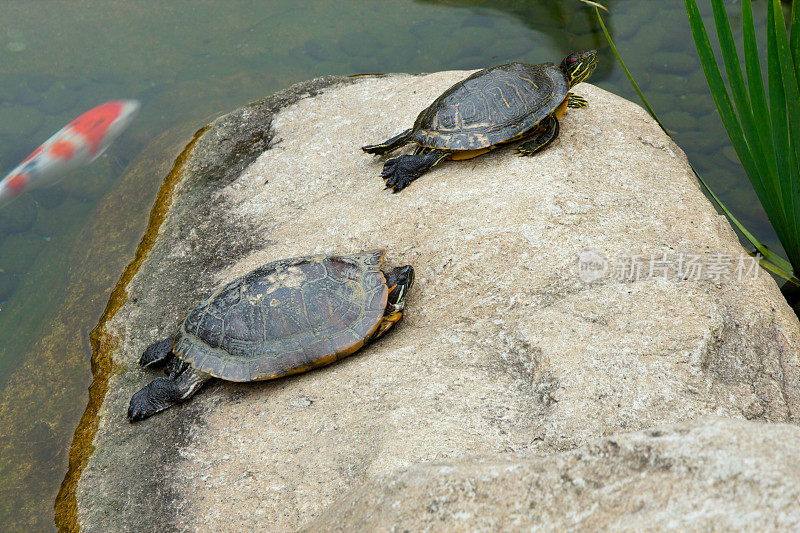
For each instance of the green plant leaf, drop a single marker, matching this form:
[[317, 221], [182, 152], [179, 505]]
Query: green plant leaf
[[595, 5], [788, 75], [767, 174], [795, 35], [769, 260], [722, 100], [627, 72], [755, 83], [780, 125]]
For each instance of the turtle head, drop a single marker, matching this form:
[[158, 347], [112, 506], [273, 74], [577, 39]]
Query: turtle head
[[399, 281], [579, 65]]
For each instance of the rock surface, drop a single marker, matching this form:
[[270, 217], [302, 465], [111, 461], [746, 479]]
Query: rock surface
[[511, 350], [711, 474]]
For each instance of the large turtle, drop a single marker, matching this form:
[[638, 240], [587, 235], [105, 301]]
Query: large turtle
[[283, 318], [494, 106]]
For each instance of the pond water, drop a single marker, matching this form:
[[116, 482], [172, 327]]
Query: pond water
[[187, 61]]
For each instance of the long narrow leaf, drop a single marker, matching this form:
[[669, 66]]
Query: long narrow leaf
[[779, 120], [722, 100], [788, 75], [628, 72], [765, 181], [755, 83], [770, 261], [794, 180], [755, 80], [764, 126], [795, 35]]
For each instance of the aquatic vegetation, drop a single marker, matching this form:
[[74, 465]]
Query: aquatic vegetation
[[764, 133]]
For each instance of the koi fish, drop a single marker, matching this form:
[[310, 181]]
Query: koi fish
[[78, 143]]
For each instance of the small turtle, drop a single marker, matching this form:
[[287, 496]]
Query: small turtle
[[494, 106], [283, 318]]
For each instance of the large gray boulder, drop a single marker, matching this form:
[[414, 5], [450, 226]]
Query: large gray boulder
[[526, 335], [710, 474]]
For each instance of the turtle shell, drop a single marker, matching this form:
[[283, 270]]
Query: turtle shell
[[286, 317], [491, 106]]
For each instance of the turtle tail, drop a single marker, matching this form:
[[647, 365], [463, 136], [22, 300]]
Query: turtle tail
[[387, 146]]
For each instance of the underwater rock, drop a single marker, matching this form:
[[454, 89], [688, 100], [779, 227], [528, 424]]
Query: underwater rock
[[18, 216], [19, 120], [18, 252], [8, 284], [585, 293], [58, 98]]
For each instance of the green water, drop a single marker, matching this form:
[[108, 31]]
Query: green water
[[187, 60]]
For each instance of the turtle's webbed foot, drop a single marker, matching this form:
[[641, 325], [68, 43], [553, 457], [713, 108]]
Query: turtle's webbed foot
[[576, 102], [157, 353], [399, 172], [160, 394]]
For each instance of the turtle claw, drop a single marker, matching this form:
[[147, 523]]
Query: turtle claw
[[576, 102]]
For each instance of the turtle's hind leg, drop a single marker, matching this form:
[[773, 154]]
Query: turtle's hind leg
[[540, 139], [157, 353], [400, 171], [387, 146], [163, 393]]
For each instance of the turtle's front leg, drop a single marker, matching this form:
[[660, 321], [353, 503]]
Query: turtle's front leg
[[576, 102], [400, 171], [542, 138], [163, 393]]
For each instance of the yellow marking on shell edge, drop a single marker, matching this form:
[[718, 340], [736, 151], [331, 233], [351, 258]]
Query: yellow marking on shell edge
[[322, 361], [562, 107], [469, 154]]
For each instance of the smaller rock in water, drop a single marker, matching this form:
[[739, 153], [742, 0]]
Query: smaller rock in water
[[16, 46]]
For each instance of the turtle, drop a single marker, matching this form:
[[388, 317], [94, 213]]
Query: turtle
[[494, 106], [283, 318]]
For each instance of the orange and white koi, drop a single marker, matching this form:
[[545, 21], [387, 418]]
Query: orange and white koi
[[78, 143]]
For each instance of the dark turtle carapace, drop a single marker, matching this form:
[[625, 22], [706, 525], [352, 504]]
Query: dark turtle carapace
[[494, 106], [283, 318]]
